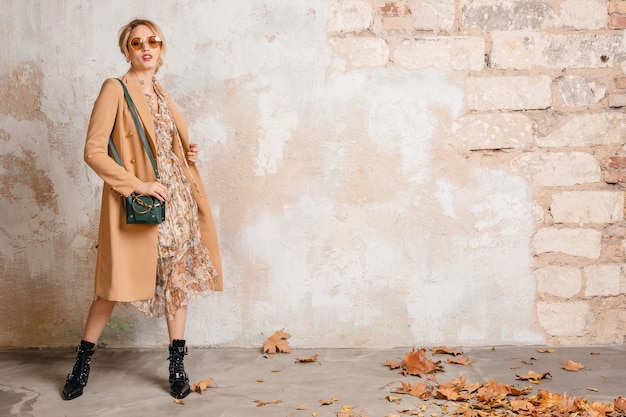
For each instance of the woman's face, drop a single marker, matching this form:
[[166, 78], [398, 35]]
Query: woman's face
[[147, 56]]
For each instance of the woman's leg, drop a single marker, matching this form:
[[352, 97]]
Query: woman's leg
[[176, 326], [98, 317], [179, 381]]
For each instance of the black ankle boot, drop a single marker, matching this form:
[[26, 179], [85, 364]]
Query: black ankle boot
[[179, 382], [77, 380]]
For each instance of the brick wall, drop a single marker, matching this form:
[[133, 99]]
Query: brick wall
[[544, 90]]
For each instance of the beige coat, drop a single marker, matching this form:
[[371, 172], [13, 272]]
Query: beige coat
[[127, 253]]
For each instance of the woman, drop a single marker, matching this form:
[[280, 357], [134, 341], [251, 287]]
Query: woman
[[159, 268]]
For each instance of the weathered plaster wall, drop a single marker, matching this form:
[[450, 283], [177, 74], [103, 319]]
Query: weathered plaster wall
[[382, 173]]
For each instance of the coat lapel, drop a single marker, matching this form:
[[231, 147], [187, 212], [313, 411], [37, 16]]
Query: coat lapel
[[141, 105]]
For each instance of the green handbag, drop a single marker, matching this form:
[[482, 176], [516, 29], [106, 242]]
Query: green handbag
[[140, 208]]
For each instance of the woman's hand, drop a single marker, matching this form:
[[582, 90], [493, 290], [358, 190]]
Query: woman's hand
[[154, 189], [192, 154]]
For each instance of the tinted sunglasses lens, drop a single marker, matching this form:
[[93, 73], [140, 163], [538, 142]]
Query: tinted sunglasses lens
[[154, 41], [135, 43]]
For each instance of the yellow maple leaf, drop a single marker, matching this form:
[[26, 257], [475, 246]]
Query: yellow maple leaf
[[277, 343]]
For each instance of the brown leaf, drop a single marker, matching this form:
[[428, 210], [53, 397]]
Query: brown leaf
[[277, 343], [572, 366], [444, 350], [534, 377], [620, 405], [328, 402], [394, 365], [179, 401], [302, 407], [260, 403], [459, 361], [393, 399], [524, 406], [312, 358], [550, 350], [203, 385], [416, 363], [421, 390]]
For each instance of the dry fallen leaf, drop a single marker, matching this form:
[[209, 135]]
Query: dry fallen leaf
[[328, 402], [594, 389], [179, 401], [260, 403], [444, 350], [302, 407], [459, 361], [312, 358], [620, 405], [260, 380], [277, 343], [416, 363], [549, 350], [203, 385], [393, 399], [534, 377], [572, 366]]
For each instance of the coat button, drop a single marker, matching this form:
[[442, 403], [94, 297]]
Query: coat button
[[132, 161], [130, 134]]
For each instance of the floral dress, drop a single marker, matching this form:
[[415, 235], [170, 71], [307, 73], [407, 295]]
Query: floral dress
[[184, 267]]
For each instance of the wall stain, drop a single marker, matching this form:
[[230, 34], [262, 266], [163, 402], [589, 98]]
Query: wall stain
[[23, 170], [21, 92]]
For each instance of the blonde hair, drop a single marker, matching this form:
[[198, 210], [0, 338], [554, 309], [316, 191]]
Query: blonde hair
[[125, 34]]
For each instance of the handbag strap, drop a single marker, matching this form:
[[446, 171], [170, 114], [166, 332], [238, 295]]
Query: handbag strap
[[142, 134]]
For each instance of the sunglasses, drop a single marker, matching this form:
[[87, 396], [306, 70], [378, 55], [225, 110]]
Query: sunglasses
[[153, 41]]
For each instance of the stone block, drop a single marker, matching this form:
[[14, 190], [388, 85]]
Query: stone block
[[584, 14], [586, 129], [493, 131], [580, 242], [508, 93], [435, 15], [441, 52], [617, 100], [577, 91], [564, 318], [491, 15], [514, 50], [559, 281], [588, 50], [554, 169], [345, 16], [620, 82], [602, 280], [587, 207], [361, 51]]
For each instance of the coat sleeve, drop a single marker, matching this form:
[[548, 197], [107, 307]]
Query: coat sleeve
[[102, 124]]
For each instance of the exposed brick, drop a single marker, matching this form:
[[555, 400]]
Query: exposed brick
[[614, 177], [397, 23], [620, 82], [617, 7], [614, 162], [617, 22], [615, 252]]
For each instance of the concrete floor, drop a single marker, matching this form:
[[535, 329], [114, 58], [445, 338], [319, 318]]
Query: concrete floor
[[133, 382]]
